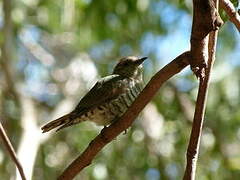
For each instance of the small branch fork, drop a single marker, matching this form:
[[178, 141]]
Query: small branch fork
[[205, 20]]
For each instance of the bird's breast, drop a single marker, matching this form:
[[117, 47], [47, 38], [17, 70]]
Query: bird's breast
[[112, 110]]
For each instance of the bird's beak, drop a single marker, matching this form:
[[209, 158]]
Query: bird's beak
[[140, 60]]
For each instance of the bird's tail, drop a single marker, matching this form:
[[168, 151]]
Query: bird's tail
[[62, 121]]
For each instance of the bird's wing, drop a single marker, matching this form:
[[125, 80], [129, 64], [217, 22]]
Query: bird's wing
[[104, 90]]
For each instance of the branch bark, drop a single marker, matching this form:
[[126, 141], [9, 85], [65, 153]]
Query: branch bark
[[11, 151], [109, 133], [193, 147], [231, 12], [205, 20]]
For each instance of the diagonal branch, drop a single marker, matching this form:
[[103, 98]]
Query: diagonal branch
[[193, 147], [11, 151], [231, 12], [109, 133]]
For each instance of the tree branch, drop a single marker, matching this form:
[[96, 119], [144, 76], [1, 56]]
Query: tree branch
[[205, 20], [11, 151], [109, 133], [193, 147], [231, 12]]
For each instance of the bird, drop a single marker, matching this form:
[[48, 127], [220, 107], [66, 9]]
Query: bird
[[108, 99]]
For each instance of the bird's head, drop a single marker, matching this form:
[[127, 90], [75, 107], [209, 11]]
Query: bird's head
[[130, 66]]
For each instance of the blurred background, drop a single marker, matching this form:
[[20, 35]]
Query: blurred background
[[52, 52]]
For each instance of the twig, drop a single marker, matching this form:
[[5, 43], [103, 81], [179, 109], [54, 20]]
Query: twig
[[193, 147], [231, 12], [109, 133], [11, 151]]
